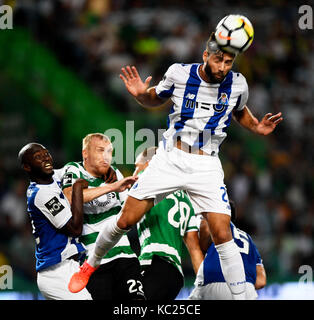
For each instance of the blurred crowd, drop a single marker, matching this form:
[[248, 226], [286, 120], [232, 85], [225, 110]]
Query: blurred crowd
[[270, 179]]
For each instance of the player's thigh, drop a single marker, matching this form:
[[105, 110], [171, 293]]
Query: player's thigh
[[162, 176], [128, 281], [208, 193], [162, 281], [132, 212], [101, 284], [53, 282]]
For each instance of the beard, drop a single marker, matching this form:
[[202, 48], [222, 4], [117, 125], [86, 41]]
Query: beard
[[213, 77]]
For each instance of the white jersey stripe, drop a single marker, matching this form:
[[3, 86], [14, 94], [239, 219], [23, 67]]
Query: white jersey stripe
[[201, 111]]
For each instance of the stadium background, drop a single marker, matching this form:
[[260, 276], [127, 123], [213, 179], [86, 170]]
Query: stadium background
[[59, 81]]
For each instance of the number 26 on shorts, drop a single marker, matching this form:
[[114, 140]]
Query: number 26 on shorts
[[224, 196]]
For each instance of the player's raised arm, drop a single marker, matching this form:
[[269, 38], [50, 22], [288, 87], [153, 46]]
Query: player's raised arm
[[144, 95], [264, 127]]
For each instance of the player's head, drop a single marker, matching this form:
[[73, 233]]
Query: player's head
[[97, 153], [142, 160], [217, 63], [36, 160]]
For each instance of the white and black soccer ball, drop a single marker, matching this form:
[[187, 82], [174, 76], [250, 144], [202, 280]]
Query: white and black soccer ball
[[234, 33]]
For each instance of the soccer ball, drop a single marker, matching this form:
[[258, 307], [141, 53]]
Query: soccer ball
[[234, 33]]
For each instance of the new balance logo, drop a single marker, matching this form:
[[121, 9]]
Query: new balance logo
[[190, 96]]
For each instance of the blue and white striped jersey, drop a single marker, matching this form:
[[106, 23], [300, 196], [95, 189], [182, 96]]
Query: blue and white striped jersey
[[211, 265], [49, 211], [201, 111]]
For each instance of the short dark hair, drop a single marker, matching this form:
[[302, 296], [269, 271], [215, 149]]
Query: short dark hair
[[213, 47], [26, 150]]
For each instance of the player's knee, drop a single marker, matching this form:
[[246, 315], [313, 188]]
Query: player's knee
[[124, 223], [219, 226], [132, 212], [222, 235]]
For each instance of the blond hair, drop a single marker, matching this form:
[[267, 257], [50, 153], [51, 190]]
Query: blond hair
[[87, 139]]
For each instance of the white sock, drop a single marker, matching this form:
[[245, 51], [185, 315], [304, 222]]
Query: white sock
[[106, 240], [232, 268]]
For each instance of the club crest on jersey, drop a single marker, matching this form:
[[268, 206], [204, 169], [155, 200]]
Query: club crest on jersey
[[222, 102], [223, 99], [103, 200]]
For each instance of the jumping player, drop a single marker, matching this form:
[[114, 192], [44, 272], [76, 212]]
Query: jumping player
[[205, 98], [161, 233]]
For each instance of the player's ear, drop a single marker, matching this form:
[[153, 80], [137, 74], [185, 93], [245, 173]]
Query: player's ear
[[205, 55], [26, 167], [84, 154]]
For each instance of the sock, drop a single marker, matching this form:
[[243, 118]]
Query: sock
[[232, 268], [106, 240]]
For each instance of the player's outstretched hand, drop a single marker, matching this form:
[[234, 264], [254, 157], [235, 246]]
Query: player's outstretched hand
[[133, 81], [123, 184], [268, 123]]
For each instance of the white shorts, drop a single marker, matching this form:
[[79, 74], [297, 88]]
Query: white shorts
[[53, 282], [220, 291], [200, 175]]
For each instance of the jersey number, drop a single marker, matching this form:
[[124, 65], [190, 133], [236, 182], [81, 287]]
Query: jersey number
[[184, 210], [135, 286], [240, 235]]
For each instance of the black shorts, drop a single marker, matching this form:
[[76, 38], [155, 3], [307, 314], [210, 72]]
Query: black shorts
[[162, 280], [118, 280]]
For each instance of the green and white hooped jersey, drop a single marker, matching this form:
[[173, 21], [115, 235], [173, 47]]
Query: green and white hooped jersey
[[161, 230], [98, 210]]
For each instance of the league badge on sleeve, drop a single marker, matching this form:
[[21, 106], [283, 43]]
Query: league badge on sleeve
[[67, 179], [54, 206]]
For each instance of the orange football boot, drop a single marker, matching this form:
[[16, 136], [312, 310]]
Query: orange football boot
[[80, 279]]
